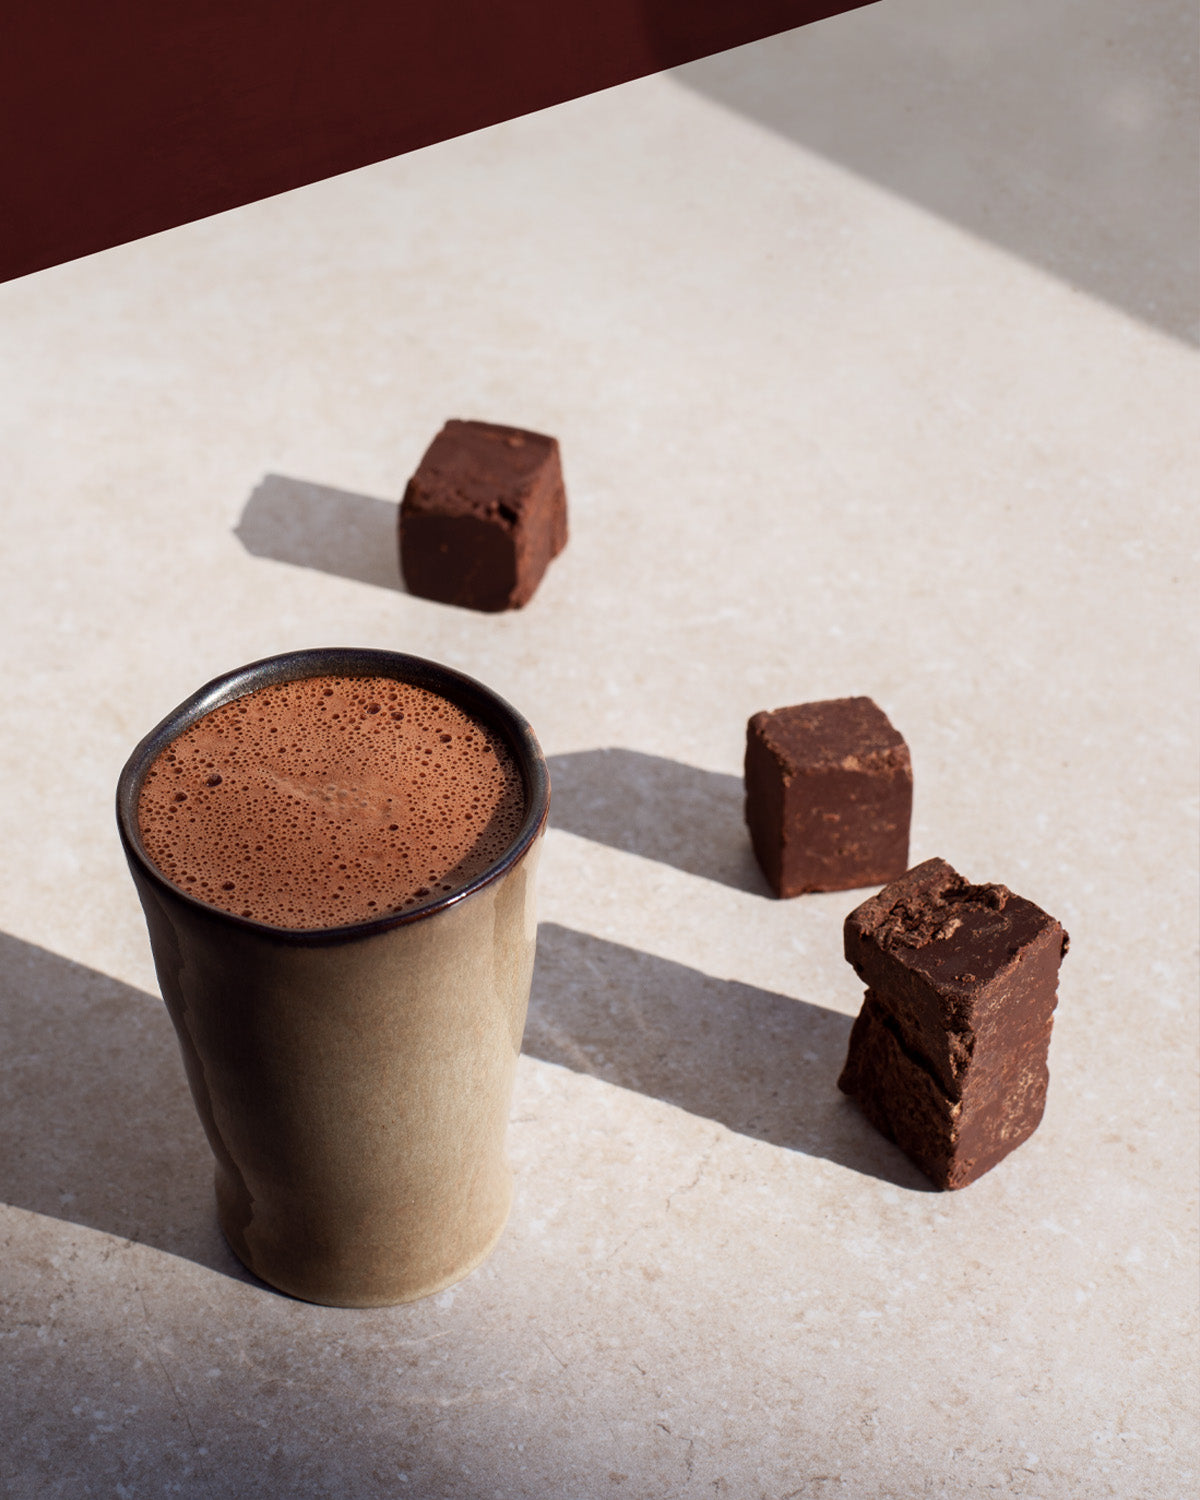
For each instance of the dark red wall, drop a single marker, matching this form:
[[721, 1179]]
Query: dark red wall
[[119, 118]]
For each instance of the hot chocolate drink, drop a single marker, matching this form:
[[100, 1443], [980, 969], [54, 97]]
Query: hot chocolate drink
[[349, 1027], [330, 800]]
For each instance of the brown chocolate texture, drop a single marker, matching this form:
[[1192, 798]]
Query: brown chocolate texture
[[828, 796], [330, 800], [483, 516], [948, 1055]]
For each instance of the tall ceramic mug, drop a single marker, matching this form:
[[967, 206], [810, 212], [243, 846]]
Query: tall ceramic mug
[[354, 1081]]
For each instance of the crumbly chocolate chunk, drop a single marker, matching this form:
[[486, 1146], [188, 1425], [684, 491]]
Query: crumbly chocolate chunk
[[828, 796], [948, 1055], [482, 516]]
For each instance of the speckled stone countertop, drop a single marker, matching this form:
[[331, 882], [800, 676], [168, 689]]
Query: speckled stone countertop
[[871, 356]]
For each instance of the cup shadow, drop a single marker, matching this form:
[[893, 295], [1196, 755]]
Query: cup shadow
[[759, 1063], [95, 1115], [661, 809], [331, 531], [98, 1126]]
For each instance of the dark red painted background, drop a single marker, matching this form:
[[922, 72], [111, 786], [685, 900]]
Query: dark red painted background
[[119, 119]]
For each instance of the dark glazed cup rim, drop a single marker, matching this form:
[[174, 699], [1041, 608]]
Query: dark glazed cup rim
[[340, 661]]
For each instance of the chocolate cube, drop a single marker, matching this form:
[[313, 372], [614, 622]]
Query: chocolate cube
[[828, 796], [482, 516], [948, 1055]]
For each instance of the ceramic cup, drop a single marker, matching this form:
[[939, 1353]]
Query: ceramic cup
[[354, 1082]]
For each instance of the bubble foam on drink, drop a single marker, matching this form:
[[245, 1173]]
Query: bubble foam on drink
[[330, 800]]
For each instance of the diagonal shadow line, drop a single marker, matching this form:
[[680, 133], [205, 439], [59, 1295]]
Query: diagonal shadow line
[[661, 809], [1073, 146], [128, 1156], [328, 530], [762, 1064], [96, 1123]]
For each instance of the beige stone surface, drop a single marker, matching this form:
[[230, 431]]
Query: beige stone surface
[[849, 343]]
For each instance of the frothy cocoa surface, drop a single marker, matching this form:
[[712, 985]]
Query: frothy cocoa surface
[[330, 800]]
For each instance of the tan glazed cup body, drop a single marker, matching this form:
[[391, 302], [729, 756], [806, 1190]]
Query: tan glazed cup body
[[354, 1082]]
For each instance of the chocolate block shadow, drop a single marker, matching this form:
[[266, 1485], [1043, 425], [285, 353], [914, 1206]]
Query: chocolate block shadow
[[658, 808], [97, 1124], [762, 1064], [332, 531]]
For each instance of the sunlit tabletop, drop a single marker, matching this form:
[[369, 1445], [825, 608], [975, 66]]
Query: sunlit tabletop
[[871, 351]]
